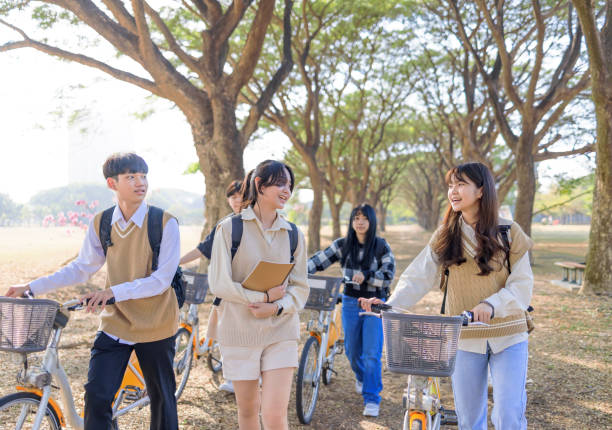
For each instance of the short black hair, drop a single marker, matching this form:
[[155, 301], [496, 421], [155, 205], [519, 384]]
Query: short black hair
[[123, 162]]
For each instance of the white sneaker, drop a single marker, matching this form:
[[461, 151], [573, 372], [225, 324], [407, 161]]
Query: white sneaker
[[358, 387], [371, 410], [227, 386]]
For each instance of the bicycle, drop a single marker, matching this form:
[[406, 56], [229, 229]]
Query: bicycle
[[317, 363], [424, 347], [26, 327], [188, 343]]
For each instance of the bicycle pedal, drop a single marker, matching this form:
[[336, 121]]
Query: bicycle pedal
[[133, 393], [448, 417]]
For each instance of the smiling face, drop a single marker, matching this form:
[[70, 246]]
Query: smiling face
[[130, 187], [464, 195], [277, 194], [361, 224]]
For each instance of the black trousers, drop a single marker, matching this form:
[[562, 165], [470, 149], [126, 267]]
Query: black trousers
[[108, 362]]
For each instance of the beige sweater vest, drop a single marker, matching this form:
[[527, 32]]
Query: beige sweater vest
[[466, 288], [140, 320]]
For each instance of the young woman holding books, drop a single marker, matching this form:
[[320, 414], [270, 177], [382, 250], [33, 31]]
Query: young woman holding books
[[258, 331], [470, 259], [369, 266]]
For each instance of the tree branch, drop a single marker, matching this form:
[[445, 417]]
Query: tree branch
[[548, 155], [81, 59], [252, 49], [264, 100]]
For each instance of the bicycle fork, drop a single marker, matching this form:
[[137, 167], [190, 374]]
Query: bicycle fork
[[421, 400]]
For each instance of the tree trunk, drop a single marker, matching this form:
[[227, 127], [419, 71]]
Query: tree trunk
[[526, 183], [335, 208], [598, 273], [314, 217], [221, 162]]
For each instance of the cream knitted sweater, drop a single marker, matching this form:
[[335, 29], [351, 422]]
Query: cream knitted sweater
[[232, 323]]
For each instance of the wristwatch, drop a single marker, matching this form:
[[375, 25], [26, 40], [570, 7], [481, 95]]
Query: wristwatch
[[280, 309]]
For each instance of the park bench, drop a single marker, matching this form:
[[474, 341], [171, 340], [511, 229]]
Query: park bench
[[573, 273]]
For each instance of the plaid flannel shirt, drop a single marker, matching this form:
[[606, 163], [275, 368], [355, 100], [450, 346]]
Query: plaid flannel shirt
[[377, 278]]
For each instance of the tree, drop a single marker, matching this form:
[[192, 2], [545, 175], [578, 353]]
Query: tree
[[598, 273], [532, 97], [199, 56], [334, 41]]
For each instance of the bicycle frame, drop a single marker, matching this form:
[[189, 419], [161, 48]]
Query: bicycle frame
[[327, 329], [191, 322], [38, 381]]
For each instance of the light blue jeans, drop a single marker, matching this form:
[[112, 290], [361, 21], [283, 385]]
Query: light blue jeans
[[470, 388], [363, 341]]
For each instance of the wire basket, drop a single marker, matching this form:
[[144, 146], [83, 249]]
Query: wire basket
[[324, 292], [25, 325], [196, 286], [421, 344]]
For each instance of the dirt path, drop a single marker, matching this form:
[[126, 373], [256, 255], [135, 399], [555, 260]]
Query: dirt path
[[570, 378]]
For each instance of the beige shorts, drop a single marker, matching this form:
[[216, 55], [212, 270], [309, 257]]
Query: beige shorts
[[245, 363]]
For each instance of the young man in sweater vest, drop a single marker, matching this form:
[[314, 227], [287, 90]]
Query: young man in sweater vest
[[144, 317]]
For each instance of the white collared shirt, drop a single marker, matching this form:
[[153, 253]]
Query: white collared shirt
[[422, 276], [91, 258]]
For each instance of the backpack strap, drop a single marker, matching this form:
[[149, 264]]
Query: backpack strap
[[154, 227], [237, 228], [503, 231], [293, 240], [104, 231], [444, 286]]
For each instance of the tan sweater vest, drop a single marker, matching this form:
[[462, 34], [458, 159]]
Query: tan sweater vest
[[140, 320], [466, 288]]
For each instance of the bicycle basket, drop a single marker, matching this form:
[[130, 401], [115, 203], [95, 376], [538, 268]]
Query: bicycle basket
[[421, 344], [196, 286], [25, 325], [324, 292]]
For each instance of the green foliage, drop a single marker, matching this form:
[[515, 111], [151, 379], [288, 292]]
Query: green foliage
[[10, 212], [192, 168]]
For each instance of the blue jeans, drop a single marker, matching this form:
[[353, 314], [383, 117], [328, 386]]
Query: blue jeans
[[508, 373], [363, 340]]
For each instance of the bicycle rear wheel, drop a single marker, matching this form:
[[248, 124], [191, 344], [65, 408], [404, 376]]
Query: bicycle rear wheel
[[307, 387], [18, 410], [183, 359]]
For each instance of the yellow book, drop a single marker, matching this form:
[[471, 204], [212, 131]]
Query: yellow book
[[267, 275]]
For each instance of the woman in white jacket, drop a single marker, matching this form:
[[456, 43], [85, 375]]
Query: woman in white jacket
[[470, 260]]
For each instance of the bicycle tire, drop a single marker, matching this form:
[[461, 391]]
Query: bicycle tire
[[213, 359], [328, 370], [183, 359], [307, 389], [30, 401]]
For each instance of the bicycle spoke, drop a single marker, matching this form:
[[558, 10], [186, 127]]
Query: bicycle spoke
[[25, 409]]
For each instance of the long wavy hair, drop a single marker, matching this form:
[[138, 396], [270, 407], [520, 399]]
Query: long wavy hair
[[269, 172], [350, 250], [448, 245]]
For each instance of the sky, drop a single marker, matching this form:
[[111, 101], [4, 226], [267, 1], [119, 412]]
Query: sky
[[42, 148]]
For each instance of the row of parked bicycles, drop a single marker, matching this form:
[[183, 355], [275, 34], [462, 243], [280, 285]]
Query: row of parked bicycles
[[423, 347]]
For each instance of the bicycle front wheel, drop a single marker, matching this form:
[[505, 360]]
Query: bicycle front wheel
[[183, 359], [307, 387], [18, 410]]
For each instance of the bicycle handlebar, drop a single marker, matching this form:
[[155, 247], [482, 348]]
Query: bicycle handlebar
[[77, 305], [468, 316]]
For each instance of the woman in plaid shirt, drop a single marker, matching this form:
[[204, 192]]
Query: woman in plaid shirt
[[368, 267]]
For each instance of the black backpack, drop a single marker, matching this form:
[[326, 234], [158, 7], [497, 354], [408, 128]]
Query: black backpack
[[237, 228], [155, 229]]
